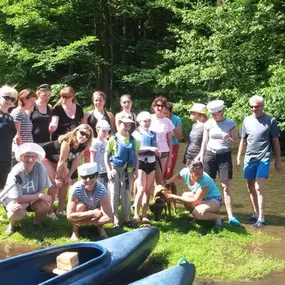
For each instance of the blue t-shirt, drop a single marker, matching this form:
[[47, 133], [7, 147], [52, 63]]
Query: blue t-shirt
[[91, 201], [205, 181], [176, 122]]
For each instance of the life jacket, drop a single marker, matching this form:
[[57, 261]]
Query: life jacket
[[125, 155], [148, 139]]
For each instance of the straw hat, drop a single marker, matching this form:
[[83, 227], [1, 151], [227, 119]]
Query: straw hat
[[198, 108], [30, 147], [215, 106]]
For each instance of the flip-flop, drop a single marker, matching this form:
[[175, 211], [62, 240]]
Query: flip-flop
[[145, 221]]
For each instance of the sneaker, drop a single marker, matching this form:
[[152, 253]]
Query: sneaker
[[234, 222], [116, 225], [258, 224], [61, 213], [52, 216], [252, 219], [129, 224], [12, 229], [137, 219], [102, 232]]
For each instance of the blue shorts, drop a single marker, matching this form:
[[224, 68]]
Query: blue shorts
[[259, 169]]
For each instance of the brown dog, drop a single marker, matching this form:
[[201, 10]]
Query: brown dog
[[160, 200]]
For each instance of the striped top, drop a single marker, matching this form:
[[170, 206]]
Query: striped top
[[26, 125], [91, 200]]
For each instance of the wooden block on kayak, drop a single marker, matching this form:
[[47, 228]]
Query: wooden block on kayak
[[67, 260]]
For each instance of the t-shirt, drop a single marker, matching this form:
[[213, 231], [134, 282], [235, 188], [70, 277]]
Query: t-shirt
[[217, 132], [259, 132], [65, 123], [7, 133], [176, 122], [32, 182], [91, 200], [205, 181], [111, 145], [99, 146], [194, 141], [41, 122], [162, 126], [26, 125]]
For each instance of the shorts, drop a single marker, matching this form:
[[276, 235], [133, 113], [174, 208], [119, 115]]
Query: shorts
[[164, 155], [219, 162], [5, 167], [147, 167], [259, 169], [75, 173], [217, 199]]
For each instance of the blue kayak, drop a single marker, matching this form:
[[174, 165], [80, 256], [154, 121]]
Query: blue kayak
[[99, 262], [182, 274]]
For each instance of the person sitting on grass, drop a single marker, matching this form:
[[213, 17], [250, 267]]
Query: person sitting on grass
[[29, 194], [204, 199], [88, 201]]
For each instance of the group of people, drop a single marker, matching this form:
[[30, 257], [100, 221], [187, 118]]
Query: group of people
[[47, 144]]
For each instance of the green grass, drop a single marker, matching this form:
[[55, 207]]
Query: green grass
[[220, 256]]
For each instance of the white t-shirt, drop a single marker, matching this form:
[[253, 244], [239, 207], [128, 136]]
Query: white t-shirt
[[162, 126], [99, 147]]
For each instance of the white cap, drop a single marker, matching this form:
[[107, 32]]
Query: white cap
[[87, 169], [215, 106], [125, 118], [198, 108], [103, 125], [30, 147], [143, 116]]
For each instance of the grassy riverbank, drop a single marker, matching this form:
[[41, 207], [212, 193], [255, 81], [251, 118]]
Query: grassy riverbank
[[221, 256]]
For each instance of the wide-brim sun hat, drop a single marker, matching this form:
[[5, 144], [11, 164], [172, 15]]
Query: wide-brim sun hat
[[144, 115], [88, 168], [32, 148], [215, 106], [103, 125], [198, 108], [125, 118]]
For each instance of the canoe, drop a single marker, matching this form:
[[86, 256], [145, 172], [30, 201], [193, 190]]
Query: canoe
[[182, 274], [99, 262]]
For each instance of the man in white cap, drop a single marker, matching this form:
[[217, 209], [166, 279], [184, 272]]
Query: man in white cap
[[97, 150], [88, 201], [259, 133], [29, 194]]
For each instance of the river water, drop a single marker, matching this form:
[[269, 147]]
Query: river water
[[275, 219]]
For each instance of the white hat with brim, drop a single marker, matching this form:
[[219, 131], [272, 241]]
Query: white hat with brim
[[143, 116], [31, 148], [215, 106], [87, 169], [126, 118], [198, 108], [103, 125]]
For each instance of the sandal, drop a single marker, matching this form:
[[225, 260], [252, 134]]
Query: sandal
[[145, 220], [137, 219], [234, 222]]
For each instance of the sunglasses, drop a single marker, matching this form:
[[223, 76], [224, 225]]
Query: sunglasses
[[255, 107], [84, 134], [8, 98], [217, 112], [159, 105], [66, 96], [91, 176]]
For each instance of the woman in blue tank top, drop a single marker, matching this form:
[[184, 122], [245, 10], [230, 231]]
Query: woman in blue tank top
[[204, 198]]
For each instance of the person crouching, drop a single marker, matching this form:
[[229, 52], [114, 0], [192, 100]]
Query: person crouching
[[28, 195], [88, 201]]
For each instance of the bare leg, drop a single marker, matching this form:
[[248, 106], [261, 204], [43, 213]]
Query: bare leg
[[160, 170], [227, 189], [146, 195], [253, 196], [259, 187], [140, 185], [207, 211], [41, 208], [80, 207]]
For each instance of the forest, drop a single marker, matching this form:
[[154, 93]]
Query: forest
[[187, 50]]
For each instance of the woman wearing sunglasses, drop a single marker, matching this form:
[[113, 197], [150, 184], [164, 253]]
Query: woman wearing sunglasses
[[62, 159], [8, 96], [219, 133], [24, 126], [66, 113]]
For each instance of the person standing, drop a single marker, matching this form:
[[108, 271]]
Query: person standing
[[197, 114], [41, 115], [219, 132], [8, 96], [259, 133], [176, 138]]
